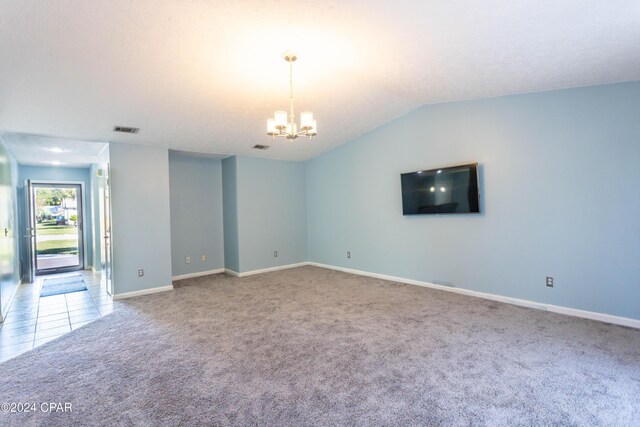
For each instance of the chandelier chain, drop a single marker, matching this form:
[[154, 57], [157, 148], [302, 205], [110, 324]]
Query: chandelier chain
[[292, 116]]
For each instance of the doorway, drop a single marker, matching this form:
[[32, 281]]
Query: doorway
[[57, 227]]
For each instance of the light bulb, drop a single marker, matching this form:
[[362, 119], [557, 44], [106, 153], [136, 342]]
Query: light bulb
[[281, 119], [271, 127], [306, 120]]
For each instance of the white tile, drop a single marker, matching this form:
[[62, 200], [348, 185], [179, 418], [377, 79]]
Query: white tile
[[26, 329], [45, 340], [7, 353], [75, 326], [52, 332], [44, 325], [52, 317], [16, 339]]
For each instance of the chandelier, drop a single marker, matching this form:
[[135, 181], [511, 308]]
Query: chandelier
[[286, 127]]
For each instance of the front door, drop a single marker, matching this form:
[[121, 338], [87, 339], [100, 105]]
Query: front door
[[58, 237]]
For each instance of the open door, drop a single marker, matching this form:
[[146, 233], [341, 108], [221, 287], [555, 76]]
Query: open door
[[58, 227], [105, 226], [30, 235]]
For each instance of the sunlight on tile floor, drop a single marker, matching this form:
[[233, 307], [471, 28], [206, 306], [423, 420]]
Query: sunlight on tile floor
[[33, 320]]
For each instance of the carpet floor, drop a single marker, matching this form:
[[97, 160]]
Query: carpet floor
[[310, 346]]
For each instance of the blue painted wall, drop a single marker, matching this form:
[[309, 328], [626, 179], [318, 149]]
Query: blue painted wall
[[196, 213], [230, 213], [9, 244], [141, 223], [560, 182], [271, 213], [60, 174]]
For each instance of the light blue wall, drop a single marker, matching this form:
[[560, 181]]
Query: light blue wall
[[271, 213], [196, 213], [60, 174], [9, 244], [230, 213], [560, 182], [141, 224]]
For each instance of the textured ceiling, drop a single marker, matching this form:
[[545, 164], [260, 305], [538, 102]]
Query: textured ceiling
[[205, 75]]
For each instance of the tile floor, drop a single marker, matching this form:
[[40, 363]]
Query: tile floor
[[33, 320]]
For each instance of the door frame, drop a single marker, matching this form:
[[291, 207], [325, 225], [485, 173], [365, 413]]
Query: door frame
[[106, 228], [82, 253]]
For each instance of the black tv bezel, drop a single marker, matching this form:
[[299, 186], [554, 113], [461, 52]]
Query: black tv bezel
[[476, 164]]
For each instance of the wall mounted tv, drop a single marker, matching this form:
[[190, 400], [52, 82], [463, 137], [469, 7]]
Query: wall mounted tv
[[450, 190]]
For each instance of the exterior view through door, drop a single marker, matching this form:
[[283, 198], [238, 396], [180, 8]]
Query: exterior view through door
[[56, 215]]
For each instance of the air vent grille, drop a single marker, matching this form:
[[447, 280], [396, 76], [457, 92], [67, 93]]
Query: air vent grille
[[125, 129], [260, 147]]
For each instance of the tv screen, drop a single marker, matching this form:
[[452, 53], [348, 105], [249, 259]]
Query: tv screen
[[452, 190]]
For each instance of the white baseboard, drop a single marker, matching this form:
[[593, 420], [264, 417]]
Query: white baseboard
[[143, 292], [602, 317], [198, 274], [231, 272], [265, 270]]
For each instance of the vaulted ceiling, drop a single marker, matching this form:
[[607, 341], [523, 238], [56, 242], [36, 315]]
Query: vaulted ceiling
[[205, 75]]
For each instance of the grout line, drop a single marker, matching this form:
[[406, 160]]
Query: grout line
[[94, 301], [68, 315], [35, 327]]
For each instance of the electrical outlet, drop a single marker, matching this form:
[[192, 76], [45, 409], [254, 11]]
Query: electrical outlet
[[275, 254], [140, 273], [348, 254], [203, 258], [188, 260], [550, 281]]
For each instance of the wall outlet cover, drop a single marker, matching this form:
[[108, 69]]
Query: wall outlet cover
[[140, 273], [203, 258], [188, 260]]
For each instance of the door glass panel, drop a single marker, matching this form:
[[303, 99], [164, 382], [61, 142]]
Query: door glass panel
[[58, 243]]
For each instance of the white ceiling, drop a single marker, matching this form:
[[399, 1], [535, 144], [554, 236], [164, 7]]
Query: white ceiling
[[46, 151], [205, 75]]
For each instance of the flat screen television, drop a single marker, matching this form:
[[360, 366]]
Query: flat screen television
[[451, 190]]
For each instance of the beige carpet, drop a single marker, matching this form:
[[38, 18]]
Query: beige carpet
[[310, 346]]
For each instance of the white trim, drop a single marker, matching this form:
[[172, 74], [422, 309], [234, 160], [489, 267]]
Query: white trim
[[143, 292], [602, 317], [198, 274], [266, 270], [231, 272]]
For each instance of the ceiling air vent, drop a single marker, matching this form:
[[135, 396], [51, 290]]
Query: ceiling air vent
[[260, 147], [125, 129]]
